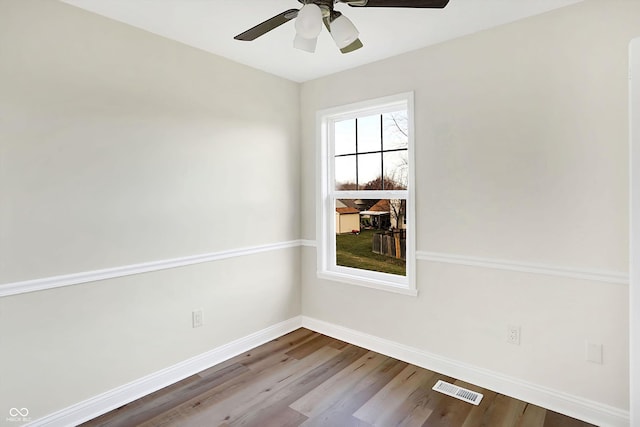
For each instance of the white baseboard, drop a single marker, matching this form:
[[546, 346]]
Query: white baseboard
[[573, 406], [103, 403]]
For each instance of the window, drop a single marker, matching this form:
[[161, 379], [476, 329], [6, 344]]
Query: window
[[366, 225]]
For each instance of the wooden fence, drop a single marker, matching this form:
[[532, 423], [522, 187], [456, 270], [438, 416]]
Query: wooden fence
[[390, 243]]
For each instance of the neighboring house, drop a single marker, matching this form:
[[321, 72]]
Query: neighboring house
[[350, 203], [347, 217], [378, 215]]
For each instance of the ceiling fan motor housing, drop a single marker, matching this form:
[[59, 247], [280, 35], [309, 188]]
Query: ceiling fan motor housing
[[325, 5]]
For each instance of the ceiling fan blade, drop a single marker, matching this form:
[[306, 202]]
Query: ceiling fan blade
[[353, 46], [439, 4], [268, 25]]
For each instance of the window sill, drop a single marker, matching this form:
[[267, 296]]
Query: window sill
[[367, 283]]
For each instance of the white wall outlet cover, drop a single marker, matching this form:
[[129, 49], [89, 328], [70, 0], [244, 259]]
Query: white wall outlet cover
[[513, 334], [197, 319], [594, 352]]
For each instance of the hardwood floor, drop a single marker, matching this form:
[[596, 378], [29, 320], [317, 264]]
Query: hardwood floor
[[308, 379]]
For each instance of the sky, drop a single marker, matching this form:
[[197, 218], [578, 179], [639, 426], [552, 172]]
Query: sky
[[392, 131]]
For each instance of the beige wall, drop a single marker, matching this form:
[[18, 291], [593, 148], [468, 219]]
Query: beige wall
[[345, 223], [110, 157], [634, 291], [119, 147], [521, 155]]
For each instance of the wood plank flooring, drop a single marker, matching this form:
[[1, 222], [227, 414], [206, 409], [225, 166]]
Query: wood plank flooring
[[308, 379]]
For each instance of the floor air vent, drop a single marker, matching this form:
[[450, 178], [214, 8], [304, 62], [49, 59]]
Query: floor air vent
[[458, 392]]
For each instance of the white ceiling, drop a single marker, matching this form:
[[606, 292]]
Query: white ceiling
[[211, 25]]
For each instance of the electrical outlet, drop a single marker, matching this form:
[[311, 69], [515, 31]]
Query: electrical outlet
[[594, 352], [513, 334], [196, 318]]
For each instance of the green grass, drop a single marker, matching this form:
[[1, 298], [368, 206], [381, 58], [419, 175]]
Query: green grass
[[355, 251]]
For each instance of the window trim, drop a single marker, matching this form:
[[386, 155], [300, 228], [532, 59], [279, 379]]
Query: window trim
[[325, 211]]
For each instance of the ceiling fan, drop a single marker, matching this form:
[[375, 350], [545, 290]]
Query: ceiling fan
[[313, 13]]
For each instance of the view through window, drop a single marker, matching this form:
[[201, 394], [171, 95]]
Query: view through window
[[366, 222], [371, 153]]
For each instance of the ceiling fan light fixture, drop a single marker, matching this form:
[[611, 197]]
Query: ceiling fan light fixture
[[343, 31], [309, 21], [308, 45]]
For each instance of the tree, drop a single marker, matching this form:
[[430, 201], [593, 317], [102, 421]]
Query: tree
[[397, 123], [347, 186], [380, 183], [398, 211], [383, 183]]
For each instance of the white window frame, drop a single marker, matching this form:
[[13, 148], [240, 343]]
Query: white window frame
[[326, 194]]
